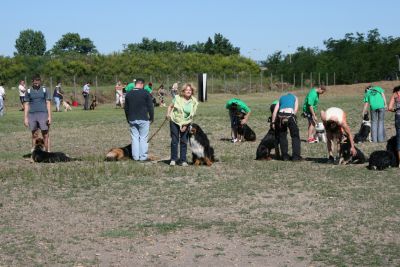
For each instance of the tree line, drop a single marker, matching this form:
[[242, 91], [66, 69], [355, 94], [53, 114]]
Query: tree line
[[354, 58]]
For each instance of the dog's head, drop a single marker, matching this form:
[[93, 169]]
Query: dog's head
[[345, 148], [194, 129], [320, 127], [39, 144], [366, 117]]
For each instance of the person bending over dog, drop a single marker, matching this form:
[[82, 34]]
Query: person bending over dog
[[334, 120], [284, 117], [239, 114], [181, 113], [37, 111]]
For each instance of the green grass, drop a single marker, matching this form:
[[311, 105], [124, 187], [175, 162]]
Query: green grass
[[65, 214]]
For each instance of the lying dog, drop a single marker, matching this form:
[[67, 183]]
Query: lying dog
[[66, 105], [202, 152], [382, 159], [40, 155], [345, 156], [267, 144], [364, 133], [320, 133], [120, 153], [94, 103], [246, 133]]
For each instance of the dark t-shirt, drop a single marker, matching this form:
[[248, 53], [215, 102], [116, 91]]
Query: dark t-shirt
[[57, 90], [139, 105], [37, 99]]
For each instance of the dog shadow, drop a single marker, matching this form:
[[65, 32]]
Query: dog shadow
[[317, 160]]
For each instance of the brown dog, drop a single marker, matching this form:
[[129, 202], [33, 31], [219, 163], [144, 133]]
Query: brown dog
[[120, 153]]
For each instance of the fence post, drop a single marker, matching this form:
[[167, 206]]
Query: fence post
[[237, 84], [311, 85], [301, 86], [281, 82], [95, 92], [294, 80], [250, 83], [270, 82], [319, 78], [212, 83], [26, 85], [51, 83], [224, 83], [261, 76], [334, 78], [326, 79], [75, 87]]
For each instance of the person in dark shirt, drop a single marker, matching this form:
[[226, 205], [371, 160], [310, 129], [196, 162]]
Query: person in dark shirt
[[139, 112], [37, 111]]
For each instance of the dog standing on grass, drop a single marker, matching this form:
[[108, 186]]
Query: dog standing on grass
[[94, 103]]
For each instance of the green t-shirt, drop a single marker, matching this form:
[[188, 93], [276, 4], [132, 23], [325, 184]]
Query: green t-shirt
[[374, 98], [129, 87], [241, 106], [187, 107], [311, 100], [148, 89]]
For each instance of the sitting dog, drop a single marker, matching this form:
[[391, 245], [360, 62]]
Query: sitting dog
[[94, 103], [40, 155], [267, 144], [345, 156], [246, 133], [121, 153], [364, 133], [320, 133], [382, 159], [66, 105], [202, 152]]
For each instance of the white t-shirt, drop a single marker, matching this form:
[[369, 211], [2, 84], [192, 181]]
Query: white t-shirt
[[2, 92], [334, 114], [21, 90]]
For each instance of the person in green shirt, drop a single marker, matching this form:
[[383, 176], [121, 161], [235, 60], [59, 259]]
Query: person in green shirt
[[310, 107], [181, 113], [375, 98], [130, 86], [239, 113], [149, 88]]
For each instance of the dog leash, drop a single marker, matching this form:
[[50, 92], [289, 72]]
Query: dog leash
[[162, 124]]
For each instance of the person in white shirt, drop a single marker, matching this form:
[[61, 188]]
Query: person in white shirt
[[22, 91], [85, 93], [2, 96]]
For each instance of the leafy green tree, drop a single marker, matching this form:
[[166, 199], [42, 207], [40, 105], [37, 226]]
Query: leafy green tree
[[72, 43], [30, 43], [223, 46]]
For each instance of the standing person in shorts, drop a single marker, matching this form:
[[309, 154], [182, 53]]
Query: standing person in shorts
[[2, 98], [310, 107], [21, 91], [86, 93], [37, 111]]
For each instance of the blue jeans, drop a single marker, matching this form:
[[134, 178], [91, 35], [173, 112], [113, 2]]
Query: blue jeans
[[178, 137], [397, 125], [378, 125], [139, 133], [57, 101]]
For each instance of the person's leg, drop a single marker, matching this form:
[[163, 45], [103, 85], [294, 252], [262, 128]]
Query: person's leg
[[311, 128], [86, 106], [174, 129], [374, 125], [135, 139], [1, 106], [381, 125], [144, 127], [183, 145], [283, 142], [295, 135], [234, 124], [46, 139], [21, 99], [35, 136]]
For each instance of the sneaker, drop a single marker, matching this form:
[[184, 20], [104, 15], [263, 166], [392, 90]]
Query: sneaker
[[331, 160], [312, 140], [184, 164], [234, 140], [172, 163]]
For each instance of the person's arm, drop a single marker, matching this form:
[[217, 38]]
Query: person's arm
[[169, 110], [391, 103], [346, 129], [314, 116], [296, 105], [48, 106], [150, 107], [384, 100], [126, 107], [246, 118], [26, 112], [365, 108], [274, 115]]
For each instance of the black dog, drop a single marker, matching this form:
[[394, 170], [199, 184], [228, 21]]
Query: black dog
[[246, 132], [364, 132], [267, 144], [40, 155], [202, 152], [94, 103], [383, 159], [347, 158]]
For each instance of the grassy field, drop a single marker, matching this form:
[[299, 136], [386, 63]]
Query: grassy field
[[238, 212]]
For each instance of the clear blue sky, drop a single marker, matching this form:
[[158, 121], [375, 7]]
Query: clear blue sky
[[258, 27]]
